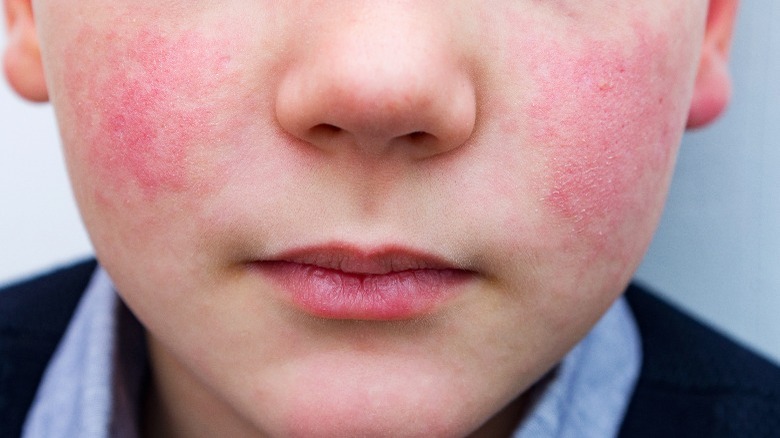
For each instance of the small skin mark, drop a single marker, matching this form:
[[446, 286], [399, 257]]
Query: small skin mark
[[606, 86]]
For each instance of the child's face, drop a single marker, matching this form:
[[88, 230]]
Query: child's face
[[376, 217]]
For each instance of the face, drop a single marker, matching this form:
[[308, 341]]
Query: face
[[367, 219]]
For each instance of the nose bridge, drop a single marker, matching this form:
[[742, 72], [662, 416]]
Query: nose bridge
[[376, 79]]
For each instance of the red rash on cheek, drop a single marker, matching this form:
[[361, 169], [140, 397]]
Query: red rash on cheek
[[609, 120], [153, 108]]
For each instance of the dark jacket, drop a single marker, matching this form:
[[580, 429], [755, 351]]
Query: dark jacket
[[694, 382]]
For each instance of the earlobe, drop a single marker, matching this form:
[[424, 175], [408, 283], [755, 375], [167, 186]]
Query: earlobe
[[22, 58], [712, 89]]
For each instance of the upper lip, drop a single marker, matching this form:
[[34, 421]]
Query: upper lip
[[353, 259]]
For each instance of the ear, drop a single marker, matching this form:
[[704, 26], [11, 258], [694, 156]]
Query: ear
[[22, 59], [712, 90]]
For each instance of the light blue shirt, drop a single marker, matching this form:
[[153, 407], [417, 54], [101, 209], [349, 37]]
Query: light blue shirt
[[92, 384]]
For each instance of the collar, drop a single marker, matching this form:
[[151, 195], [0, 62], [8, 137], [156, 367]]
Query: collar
[[91, 387], [590, 391]]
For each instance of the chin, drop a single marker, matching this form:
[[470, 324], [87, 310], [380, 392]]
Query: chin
[[382, 418], [388, 400]]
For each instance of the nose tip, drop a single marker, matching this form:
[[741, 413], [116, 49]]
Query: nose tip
[[372, 114], [379, 92]]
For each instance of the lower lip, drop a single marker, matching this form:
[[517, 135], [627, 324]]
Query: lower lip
[[334, 294]]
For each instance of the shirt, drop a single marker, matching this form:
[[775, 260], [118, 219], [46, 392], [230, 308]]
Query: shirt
[[92, 385]]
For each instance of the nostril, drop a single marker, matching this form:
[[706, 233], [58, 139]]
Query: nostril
[[421, 140], [417, 135], [324, 130]]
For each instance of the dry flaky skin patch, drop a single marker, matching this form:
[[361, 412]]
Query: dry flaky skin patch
[[615, 131], [154, 110], [602, 119]]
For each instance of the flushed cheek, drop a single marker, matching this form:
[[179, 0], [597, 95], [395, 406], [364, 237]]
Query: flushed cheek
[[148, 111], [608, 120]]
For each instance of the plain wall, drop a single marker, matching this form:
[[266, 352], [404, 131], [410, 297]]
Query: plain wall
[[717, 251]]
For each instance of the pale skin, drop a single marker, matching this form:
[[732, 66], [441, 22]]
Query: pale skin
[[527, 143]]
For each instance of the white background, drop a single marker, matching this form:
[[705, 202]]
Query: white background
[[717, 251]]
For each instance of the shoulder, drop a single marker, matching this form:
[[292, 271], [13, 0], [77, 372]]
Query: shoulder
[[695, 381], [33, 316]]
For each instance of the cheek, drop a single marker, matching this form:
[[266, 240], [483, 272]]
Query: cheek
[[609, 119], [143, 109]]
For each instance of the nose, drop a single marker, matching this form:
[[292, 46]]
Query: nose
[[378, 81]]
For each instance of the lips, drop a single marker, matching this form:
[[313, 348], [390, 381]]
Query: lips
[[343, 282]]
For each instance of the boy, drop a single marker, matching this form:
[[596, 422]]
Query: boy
[[370, 219]]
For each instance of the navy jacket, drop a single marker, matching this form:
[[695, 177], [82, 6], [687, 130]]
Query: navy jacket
[[693, 383]]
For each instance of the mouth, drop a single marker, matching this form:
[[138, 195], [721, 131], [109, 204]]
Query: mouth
[[384, 284]]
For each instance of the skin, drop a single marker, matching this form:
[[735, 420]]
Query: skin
[[528, 142]]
